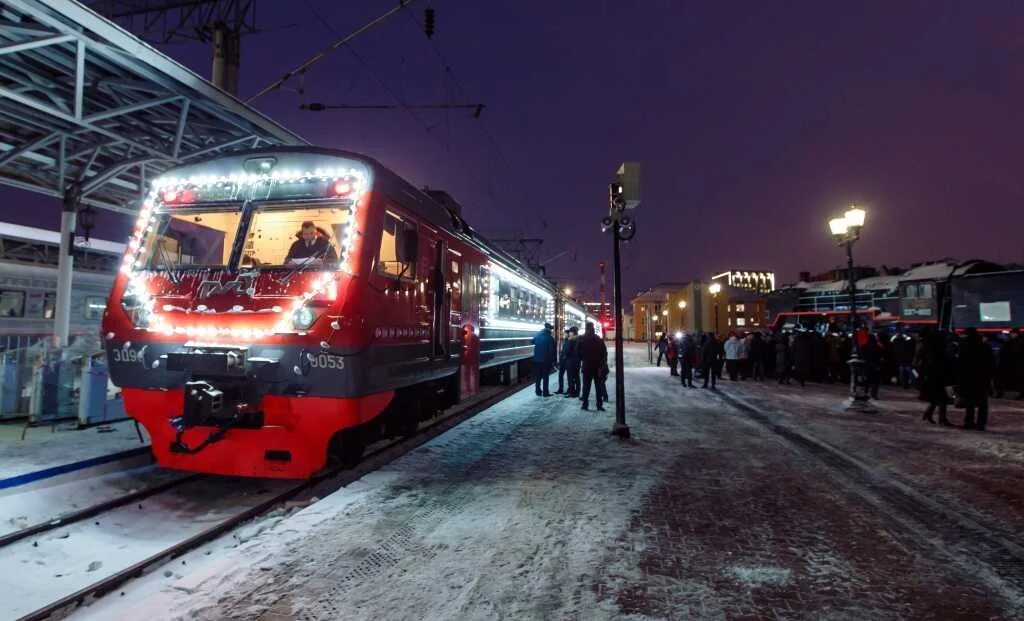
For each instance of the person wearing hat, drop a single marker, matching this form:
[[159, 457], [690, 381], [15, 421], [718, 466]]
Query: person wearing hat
[[574, 362], [543, 359], [593, 358], [563, 362]]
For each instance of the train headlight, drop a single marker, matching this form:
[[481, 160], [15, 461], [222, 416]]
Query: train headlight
[[138, 311], [303, 317], [140, 316]]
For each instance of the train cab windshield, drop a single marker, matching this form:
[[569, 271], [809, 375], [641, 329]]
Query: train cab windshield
[[188, 238], [272, 236]]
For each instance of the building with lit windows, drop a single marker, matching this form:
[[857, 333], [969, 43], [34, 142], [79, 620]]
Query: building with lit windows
[[754, 280], [672, 307]]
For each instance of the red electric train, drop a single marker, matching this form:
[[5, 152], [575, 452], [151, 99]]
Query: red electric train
[[279, 308]]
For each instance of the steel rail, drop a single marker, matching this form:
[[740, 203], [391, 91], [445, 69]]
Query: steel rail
[[376, 459], [94, 510]]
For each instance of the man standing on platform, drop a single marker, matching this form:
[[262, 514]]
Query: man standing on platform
[[593, 356], [563, 364], [574, 362], [543, 359]]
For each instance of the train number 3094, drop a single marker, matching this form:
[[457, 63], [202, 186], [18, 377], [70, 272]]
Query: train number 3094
[[327, 361]]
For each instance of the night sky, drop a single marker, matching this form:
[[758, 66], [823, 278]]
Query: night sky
[[754, 122]]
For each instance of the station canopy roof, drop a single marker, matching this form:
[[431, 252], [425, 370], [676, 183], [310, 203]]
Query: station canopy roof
[[86, 105]]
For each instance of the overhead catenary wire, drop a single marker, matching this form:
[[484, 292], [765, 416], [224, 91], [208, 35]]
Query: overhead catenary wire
[[485, 130], [342, 42], [373, 72]]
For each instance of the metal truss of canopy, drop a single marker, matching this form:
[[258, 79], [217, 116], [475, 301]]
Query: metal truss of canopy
[[88, 112]]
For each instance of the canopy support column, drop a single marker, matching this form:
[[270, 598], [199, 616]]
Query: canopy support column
[[65, 266]]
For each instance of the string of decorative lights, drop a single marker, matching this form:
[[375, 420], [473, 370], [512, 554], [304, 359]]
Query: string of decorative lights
[[353, 181]]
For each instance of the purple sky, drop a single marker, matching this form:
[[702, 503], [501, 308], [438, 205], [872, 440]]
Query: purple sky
[[754, 122]]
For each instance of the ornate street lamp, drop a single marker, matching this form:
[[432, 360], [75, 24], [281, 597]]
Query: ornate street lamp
[[715, 288], [682, 307], [846, 231]]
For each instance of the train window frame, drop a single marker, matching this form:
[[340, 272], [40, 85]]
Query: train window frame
[[18, 292], [402, 227]]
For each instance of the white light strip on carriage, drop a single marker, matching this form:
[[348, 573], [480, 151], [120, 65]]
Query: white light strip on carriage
[[133, 261], [505, 274], [506, 324]]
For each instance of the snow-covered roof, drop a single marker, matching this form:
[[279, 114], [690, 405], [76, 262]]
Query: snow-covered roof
[[930, 271], [33, 234]]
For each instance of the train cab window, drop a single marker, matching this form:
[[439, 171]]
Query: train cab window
[[924, 291], [94, 307], [190, 237], [12, 303], [399, 244], [282, 236]]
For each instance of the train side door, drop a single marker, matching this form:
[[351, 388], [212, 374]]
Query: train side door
[[440, 302]]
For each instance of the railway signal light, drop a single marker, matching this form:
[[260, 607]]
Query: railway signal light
[[428, 23]]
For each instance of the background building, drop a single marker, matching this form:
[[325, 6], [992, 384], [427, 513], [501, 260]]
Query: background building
[[671, 307], [760, 281]]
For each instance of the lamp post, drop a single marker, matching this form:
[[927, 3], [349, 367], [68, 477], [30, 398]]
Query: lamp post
[[623, 194], [846, 231], [682, 307], [715, 288]]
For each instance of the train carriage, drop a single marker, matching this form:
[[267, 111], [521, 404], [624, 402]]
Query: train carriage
[[275, 308]]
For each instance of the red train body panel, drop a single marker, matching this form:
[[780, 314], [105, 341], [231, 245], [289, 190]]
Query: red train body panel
[[240, 359]]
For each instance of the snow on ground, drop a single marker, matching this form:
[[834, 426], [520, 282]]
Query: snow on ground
[[530, 510], [41, 569], [47, 446], [34, 504]]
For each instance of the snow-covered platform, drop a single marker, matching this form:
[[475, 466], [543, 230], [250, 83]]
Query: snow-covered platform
[[753, 502], [49, 449]]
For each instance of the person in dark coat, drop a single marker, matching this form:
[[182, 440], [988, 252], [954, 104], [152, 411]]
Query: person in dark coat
[[543, 359], [783, 359], [672, 355], [313, 243], [662, 346], [593, 357], [1011, 365], [903, 347], [871, 355], [687, 358], [757, 356], [974, 379], [563, 362], [934, 369], [574, 362], [710, 356], [801, 354]]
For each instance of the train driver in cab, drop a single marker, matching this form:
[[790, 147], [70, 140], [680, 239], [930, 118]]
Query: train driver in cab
[[313, 243]]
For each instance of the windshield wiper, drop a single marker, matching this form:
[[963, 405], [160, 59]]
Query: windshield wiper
[[171, 275], [305, 262]]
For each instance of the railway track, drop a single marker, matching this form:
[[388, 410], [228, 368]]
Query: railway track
[[74, 517], [976, 547], [324, 482]]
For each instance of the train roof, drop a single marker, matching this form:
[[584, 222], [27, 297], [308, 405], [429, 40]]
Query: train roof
[[21, 232]]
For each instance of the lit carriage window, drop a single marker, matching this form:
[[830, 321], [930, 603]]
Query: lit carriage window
[[49, 305], [94, 307], [399, 243], [12, 303]]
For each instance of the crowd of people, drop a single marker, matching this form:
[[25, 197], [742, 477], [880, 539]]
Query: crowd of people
[[582, 364], [947, 369]]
